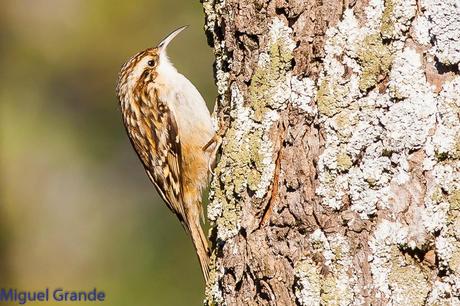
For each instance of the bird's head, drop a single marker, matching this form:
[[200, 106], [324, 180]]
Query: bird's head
[[145, 65]]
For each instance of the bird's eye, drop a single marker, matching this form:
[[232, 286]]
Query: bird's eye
[[151, 63]]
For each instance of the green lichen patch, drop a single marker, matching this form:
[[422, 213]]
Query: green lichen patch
[[454, 200], [239, 174], [224, 212], [375, 58], [237, 157], [255, 141], [331, 97], [213, 296], [224, 209], [267, 77], [408, 283], [344, 161], [307, 285], [230, 216], [331, 294], [387, 27], [437, 195], [454, 262], [344, 121], [230, 181], [254, 179]]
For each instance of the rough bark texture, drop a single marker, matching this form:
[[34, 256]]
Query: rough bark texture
[[339, 178]]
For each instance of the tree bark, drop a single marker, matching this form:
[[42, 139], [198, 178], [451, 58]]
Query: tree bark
[[338, 182]]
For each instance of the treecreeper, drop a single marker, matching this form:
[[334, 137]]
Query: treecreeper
[[170, 128]]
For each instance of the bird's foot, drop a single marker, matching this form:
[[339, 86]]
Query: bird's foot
[[216, 140]]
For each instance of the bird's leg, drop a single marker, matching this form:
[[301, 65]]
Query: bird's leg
[[217, 141], [217, 138]]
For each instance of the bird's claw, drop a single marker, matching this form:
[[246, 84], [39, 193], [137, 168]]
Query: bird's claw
[[217, 140]]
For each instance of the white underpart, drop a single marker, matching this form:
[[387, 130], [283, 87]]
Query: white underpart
[[180, 94]]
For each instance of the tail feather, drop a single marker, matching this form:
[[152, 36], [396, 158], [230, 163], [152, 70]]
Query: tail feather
[[201, 246]]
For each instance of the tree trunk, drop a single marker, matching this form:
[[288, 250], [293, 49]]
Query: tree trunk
[[339, 178]]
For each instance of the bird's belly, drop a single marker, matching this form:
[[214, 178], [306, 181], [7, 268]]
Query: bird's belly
[[192, 116], [195, 125]]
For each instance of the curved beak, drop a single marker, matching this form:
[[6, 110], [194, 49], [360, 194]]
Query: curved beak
[[165, 42]]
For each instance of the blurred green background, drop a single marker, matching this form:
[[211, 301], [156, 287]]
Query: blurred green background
[[76, 208]]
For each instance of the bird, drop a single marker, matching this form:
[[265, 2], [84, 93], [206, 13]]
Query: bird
[[170, 127]]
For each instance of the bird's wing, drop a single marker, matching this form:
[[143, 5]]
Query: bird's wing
[[157, 143]]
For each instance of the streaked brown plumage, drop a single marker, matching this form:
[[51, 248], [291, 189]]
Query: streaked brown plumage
[[168, 124]]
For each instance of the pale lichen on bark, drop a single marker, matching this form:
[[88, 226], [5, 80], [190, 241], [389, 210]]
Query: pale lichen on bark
[[372, 214], [395, 124]]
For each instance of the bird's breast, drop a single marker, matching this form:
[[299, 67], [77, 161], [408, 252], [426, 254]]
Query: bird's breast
[[190, 111]]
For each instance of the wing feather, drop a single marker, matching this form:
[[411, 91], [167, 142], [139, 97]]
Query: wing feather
[[159, 149]]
